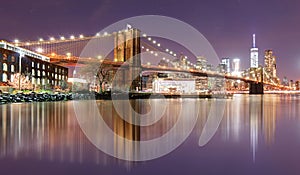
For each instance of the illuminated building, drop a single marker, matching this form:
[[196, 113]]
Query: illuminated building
[[270, 64], [201, 63], [226, 62], [285, 81], [37, 66], [297, 85], [178, 85], [236, 66], [253, 54]]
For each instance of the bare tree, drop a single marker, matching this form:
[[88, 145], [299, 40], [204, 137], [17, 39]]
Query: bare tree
[[25, 82], [97, 71]]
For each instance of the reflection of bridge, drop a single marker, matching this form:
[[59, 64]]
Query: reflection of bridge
[[129, 46]]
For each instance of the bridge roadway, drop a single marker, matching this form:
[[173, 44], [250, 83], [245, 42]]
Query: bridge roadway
[[163, 69]]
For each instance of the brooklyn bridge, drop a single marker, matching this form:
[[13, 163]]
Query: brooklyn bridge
[[128, 62]]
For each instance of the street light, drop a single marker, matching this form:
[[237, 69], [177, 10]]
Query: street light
[[20, 68]]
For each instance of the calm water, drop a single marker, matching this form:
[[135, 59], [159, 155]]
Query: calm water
[[257, 135]]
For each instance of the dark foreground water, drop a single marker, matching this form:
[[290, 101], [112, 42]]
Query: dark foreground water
[[257, 135]]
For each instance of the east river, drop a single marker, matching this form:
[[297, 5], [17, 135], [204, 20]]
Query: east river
[[248, 134]]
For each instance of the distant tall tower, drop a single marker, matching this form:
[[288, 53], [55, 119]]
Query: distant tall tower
[[253, 54]]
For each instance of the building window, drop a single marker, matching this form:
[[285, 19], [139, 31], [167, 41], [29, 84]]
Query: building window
[[44, 66], [38, 65], [12, 78], [33, 80], [4, 57], [44, 74], [13, 58], [4, 67], [12, 68], [4, 77], [38, 81], [32, 72], [38, 73], [32, 64]]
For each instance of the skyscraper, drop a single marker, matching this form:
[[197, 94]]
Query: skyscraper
[[236, 66], [253, 54], [226, 62], [270, 64]]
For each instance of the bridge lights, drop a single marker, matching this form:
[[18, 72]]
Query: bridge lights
[[41, 39], [98, 34], [16, 41], [81, 36], [149, 39], [167, 50], [68, 54], [39, 50], [158, 44], [62, 38], [144, 35], [105, 33], [72, 37], [154, 42], [52, 39]]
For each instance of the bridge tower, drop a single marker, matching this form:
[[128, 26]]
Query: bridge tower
[[127, 49], [257, 87]]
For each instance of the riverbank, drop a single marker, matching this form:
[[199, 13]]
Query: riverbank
[[46, 97]]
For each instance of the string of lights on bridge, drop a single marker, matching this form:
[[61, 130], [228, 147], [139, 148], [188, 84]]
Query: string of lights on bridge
[[81, 37]]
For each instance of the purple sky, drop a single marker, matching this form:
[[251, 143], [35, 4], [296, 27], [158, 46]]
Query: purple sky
[[228, 25]]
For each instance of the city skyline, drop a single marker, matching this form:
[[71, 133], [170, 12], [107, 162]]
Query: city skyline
[[228, 26]]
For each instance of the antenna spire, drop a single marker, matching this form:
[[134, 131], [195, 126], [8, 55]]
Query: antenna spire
[[253, 40]]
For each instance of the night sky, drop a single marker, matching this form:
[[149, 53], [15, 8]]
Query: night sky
[[228, 25]]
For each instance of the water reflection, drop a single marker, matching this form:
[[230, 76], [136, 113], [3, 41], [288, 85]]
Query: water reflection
[[50, 131]]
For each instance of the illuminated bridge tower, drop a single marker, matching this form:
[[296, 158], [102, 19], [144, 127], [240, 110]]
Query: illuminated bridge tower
[[127, 49]]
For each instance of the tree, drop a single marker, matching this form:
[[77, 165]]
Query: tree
[[97, 71], [25, 82]]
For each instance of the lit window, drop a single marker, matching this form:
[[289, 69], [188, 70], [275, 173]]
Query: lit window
[[4, 57], [12, 78], [38, 65], [4, 77], [13, 58], [38, 74], [4, 67], [12, 68], [32, 64], [32, 72], [33, 80]]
